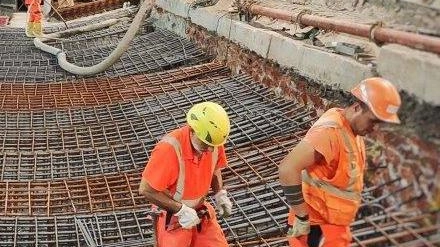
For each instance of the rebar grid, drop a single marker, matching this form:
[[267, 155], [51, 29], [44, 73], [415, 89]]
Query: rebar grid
[[134, 121], [70, 164], [397, 229], [248, 166], [69, 177], [235, 93], [119, 191], [69, 230], [94, 91], [258, 219], [117, 156], [73, 196], [154, 51], [259, 211]]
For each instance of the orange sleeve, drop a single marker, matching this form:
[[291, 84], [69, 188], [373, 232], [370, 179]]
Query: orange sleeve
[[324, 141], [162, 168], [222, 161]]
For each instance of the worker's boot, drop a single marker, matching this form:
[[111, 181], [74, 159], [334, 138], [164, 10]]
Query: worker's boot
[[38, 29], [30, 29]]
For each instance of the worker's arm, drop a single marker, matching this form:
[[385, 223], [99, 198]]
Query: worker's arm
[[158, 198], [301, 157], [217, 181], [187, 216], [224, 205]]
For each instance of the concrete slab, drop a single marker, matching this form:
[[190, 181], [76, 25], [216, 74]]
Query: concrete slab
[[416, 72], [396, 63], [178, 7], [18, 19], [333, 69]]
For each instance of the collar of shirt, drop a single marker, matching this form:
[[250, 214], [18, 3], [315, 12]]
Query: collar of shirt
[[187, 150], [345, 122]]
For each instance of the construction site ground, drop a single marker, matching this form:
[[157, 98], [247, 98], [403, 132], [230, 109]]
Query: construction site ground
[[73, 148]]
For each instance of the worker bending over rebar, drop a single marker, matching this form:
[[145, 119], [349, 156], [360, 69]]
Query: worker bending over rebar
[[322, 177], [182, 168]]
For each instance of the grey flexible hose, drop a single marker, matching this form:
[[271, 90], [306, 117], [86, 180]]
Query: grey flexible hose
[[144, 12]]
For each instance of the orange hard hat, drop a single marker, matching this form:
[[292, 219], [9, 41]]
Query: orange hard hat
[[380, 96]]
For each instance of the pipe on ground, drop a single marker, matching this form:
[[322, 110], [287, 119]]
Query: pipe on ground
[[373, 32], [144, 12]]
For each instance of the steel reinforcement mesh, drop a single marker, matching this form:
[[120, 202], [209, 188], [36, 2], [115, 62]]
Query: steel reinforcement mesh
[[72, 150], [97, 91], [85, 138], [70, 176], [153, 50]]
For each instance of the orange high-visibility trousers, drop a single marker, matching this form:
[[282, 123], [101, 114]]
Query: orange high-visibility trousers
[[333, 235], [34, 10], [210, 235]]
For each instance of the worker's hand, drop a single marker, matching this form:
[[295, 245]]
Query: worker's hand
[[187, 217], [224, 205], [299, 228]]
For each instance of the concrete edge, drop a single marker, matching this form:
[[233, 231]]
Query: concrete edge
[[311, 62]]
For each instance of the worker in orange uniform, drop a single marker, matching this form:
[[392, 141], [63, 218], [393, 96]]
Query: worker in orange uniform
[[182, 168], [34, 18], [322, 177]]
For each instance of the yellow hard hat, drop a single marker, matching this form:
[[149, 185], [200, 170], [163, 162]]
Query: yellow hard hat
[[210, 123]]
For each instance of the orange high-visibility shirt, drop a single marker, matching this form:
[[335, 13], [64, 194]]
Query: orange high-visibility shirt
[[332, 187], [326, 141], [34, 10], [162, 169]]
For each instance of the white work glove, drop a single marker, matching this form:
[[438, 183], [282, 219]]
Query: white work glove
[[187, 217], [223, 204], [299, 228]]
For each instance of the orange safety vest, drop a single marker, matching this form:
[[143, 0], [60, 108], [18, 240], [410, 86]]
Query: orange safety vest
[[337, 199], [34, 10], [178, 195]]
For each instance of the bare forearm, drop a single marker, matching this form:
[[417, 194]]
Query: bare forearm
[[163, 200], [293, 190], [290, 170], [217, 181], [289, 175]]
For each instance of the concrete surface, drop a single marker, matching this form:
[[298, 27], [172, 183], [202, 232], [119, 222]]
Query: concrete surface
[[309, 61], [18, 19], [416, 72], [327, 68]]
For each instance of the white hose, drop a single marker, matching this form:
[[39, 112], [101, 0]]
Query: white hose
[[144, 11], [88, 28]]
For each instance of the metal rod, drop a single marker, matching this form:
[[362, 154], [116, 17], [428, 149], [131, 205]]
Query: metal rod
[[373, 32]]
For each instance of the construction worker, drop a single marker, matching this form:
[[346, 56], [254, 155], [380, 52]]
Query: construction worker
[[322, 177], [182, 168], [34, 18]]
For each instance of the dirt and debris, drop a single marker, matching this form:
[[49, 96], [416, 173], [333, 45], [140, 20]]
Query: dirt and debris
[[401, 15], [406, 15]]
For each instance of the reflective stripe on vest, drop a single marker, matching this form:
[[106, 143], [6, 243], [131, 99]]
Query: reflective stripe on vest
[[349, 193], [181, 178]]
